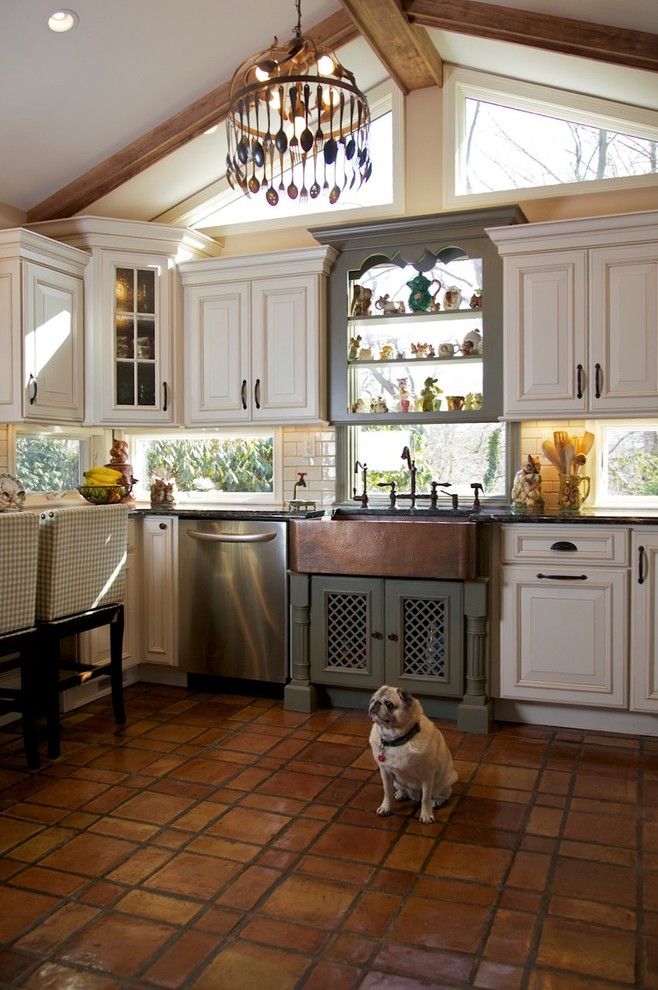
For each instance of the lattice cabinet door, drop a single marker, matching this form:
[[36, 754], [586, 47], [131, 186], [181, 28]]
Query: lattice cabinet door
[[424, 650], [347, 635]]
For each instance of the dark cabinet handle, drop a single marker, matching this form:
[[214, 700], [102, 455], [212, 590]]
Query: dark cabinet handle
[[598, 378], [243, 393], [257, 393], [377, 635], [162, 525], [579, 381], [165, 389], [564, 546], [641, 559], [32, 381], [393, 637], [562, 577]]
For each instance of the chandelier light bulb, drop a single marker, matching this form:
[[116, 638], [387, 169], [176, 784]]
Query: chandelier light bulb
[[326, 65]]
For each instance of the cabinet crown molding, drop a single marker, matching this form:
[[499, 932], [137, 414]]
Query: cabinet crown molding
[[588, 232], [91, 232], [18, 242], [301, 261]]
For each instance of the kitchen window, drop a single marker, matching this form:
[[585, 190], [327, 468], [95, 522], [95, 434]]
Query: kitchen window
[[458, 454], [53, 459], [210, 466], [627, 464], [502, 135]]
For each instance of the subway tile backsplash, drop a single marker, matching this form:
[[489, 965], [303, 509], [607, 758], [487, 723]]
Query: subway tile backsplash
[[312, 451], [533, 432]]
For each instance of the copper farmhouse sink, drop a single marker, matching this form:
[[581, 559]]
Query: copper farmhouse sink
[[385, 546]]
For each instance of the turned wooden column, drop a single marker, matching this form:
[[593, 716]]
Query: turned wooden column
[[474, 714], [299, 695]]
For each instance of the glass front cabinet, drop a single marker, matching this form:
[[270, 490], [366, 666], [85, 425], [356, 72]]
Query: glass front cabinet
[[415, 316]]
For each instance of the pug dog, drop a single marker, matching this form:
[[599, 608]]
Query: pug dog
[[413, 758]]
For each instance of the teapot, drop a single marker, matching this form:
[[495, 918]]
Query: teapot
[[421, 298]]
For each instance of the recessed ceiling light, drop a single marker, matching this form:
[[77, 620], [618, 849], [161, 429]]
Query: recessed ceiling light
[[62, 20]]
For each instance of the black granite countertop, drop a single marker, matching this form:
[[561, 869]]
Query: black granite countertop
[[486, 514]]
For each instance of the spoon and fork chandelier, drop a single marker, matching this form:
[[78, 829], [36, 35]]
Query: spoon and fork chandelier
[[297, 125]]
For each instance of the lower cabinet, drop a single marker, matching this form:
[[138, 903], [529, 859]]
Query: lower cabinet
[[159, 587], [369, 631], [565, 615], [644, 625]]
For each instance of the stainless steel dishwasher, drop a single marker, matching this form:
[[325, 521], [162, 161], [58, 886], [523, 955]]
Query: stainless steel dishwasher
[[233, 598]]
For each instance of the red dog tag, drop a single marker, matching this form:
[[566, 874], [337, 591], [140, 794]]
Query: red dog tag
[[381, 758]]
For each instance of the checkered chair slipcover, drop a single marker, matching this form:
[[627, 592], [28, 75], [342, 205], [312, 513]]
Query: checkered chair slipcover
[[82, 557], [19, 543]]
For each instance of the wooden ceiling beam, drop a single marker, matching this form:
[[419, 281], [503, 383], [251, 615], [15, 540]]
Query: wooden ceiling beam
[[405, 50], [165, 138], [620, 46]]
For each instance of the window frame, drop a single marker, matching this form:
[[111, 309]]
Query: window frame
[[93, 443], [601, 498], [194, 211], [461, 84], [141, 490]]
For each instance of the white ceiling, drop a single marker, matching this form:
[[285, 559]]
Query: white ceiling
[[71, 100]]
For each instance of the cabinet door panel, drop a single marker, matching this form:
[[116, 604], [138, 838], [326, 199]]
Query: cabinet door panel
[[347, 632], [53, 344], [217, 322], [425, 636], [10, 341], [624, 316], [545, 333], [564, 640], [284, 350], [644, 628], [160, 591]]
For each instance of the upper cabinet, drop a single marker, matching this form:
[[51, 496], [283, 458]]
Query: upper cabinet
[[255, 338], [41, 329], [132, 316], [415, 317], [581, 310]]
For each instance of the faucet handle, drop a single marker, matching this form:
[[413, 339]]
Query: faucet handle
[[477, 488], [392, 485]]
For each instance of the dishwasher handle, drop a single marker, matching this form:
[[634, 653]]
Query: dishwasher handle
[[232, 537]]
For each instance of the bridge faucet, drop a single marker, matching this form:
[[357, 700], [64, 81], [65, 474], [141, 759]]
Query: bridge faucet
[[453, 496], [363, 497]]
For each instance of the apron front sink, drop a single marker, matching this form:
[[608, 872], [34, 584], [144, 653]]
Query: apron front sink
[[385, 546]]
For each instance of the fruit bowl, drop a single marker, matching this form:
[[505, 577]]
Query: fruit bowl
[[103, 494]]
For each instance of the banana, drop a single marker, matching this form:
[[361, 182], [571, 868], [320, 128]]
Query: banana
[[101, 475]]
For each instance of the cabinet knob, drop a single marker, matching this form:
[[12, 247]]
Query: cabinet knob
[[377, 635], [393, 637], [163, 525]]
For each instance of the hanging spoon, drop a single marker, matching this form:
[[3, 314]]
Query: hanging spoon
[[306, 139], [293, 108], [257, 152], [350, 147], [272, 195], [314, 191], [281, 141], [331, 146], [292, 188], [242, 149], [267, 140]]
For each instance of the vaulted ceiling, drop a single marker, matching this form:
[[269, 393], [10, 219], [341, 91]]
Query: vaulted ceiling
[[111, 117]]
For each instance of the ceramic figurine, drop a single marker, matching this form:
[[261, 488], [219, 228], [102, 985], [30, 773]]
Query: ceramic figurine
[[430, 395], [421, 298], [473, 400], [389, 306], [422, 350], [405, 397], [447, 350], [162, 492], [472, 343], [455, 402], [452, 298], [355, 344], [526, 490], [476, 299], [378, 405], [386, 352], [358, 406], [365, 354], [361, 299]]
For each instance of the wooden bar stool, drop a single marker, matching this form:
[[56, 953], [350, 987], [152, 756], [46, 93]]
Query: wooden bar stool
[[19, 540], [80, 586]]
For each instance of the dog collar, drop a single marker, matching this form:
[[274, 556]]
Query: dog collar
[[399, 741]]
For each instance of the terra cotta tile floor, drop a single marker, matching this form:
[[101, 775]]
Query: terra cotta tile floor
[[221, 843]]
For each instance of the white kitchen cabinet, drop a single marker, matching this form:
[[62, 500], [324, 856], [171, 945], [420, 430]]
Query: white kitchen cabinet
[[159, 589], [581, 308], [644, 625], [564, 615], [254, 338], [132, 316], [41, 329]]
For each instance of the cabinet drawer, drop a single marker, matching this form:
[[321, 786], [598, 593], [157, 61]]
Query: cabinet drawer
[[568, 544]]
